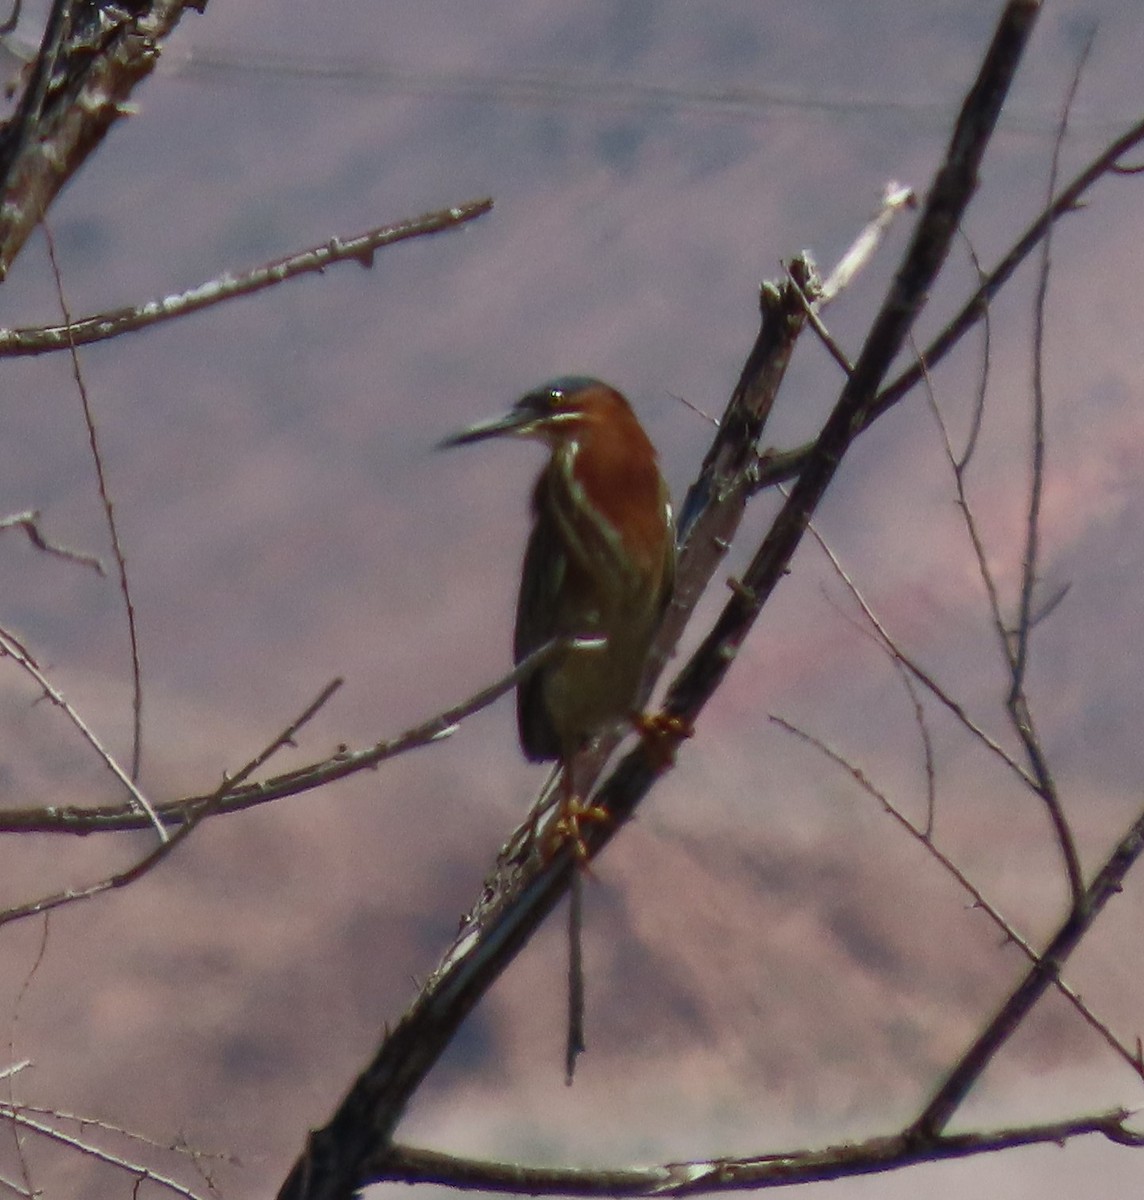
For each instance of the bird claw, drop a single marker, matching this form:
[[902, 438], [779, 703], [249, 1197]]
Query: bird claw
[[661, 734], [566, 828]]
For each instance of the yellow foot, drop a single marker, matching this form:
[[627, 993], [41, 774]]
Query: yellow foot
[[566, 828], [661, 733]]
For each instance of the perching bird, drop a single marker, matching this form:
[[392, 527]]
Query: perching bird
[[600, 564]]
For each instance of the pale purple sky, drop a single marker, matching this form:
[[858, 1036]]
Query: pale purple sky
[[771, 963]]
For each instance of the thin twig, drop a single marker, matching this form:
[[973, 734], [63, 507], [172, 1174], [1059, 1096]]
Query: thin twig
[[142, 1173], [922, 725], [958, 467], [962, 461], [108, 514], [1037, 435], [1044, 971], [178, 1146], [786, 466], [1018, 703], [29, 522], [928, 681], [10, 1077], [699, 412], [1039, 777], [891, 651], [816, 323], [895, 199]]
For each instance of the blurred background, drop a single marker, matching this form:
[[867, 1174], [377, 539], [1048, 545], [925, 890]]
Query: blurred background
[[771, 962]]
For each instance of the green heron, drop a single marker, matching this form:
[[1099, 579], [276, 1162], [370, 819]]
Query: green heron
[[599, 565]]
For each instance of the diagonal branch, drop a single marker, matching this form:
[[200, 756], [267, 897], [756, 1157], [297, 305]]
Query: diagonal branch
[[1131, 1056], [360, 248], [952, 189], [29, 522], [18, 1116], [916, 671], [334, 1162]]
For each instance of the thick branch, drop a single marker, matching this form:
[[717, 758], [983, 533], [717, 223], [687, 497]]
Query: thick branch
[[78, 90], [334, 1162], [952, 189]]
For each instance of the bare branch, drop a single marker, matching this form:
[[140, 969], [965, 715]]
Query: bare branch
[[1130, 1055], [1043, 973], [1039, 778], [358, 248], [874, 1156], [238, 795], [1037, 470], [179, 1145], [961, 461], [10, 1075], [958, 467], [895, 199], [824, 335], [727, 476], [1017, 702], [890, 650], [928, 681]]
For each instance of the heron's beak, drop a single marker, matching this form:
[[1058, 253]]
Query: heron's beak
[[514, 423], [525, 419]]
